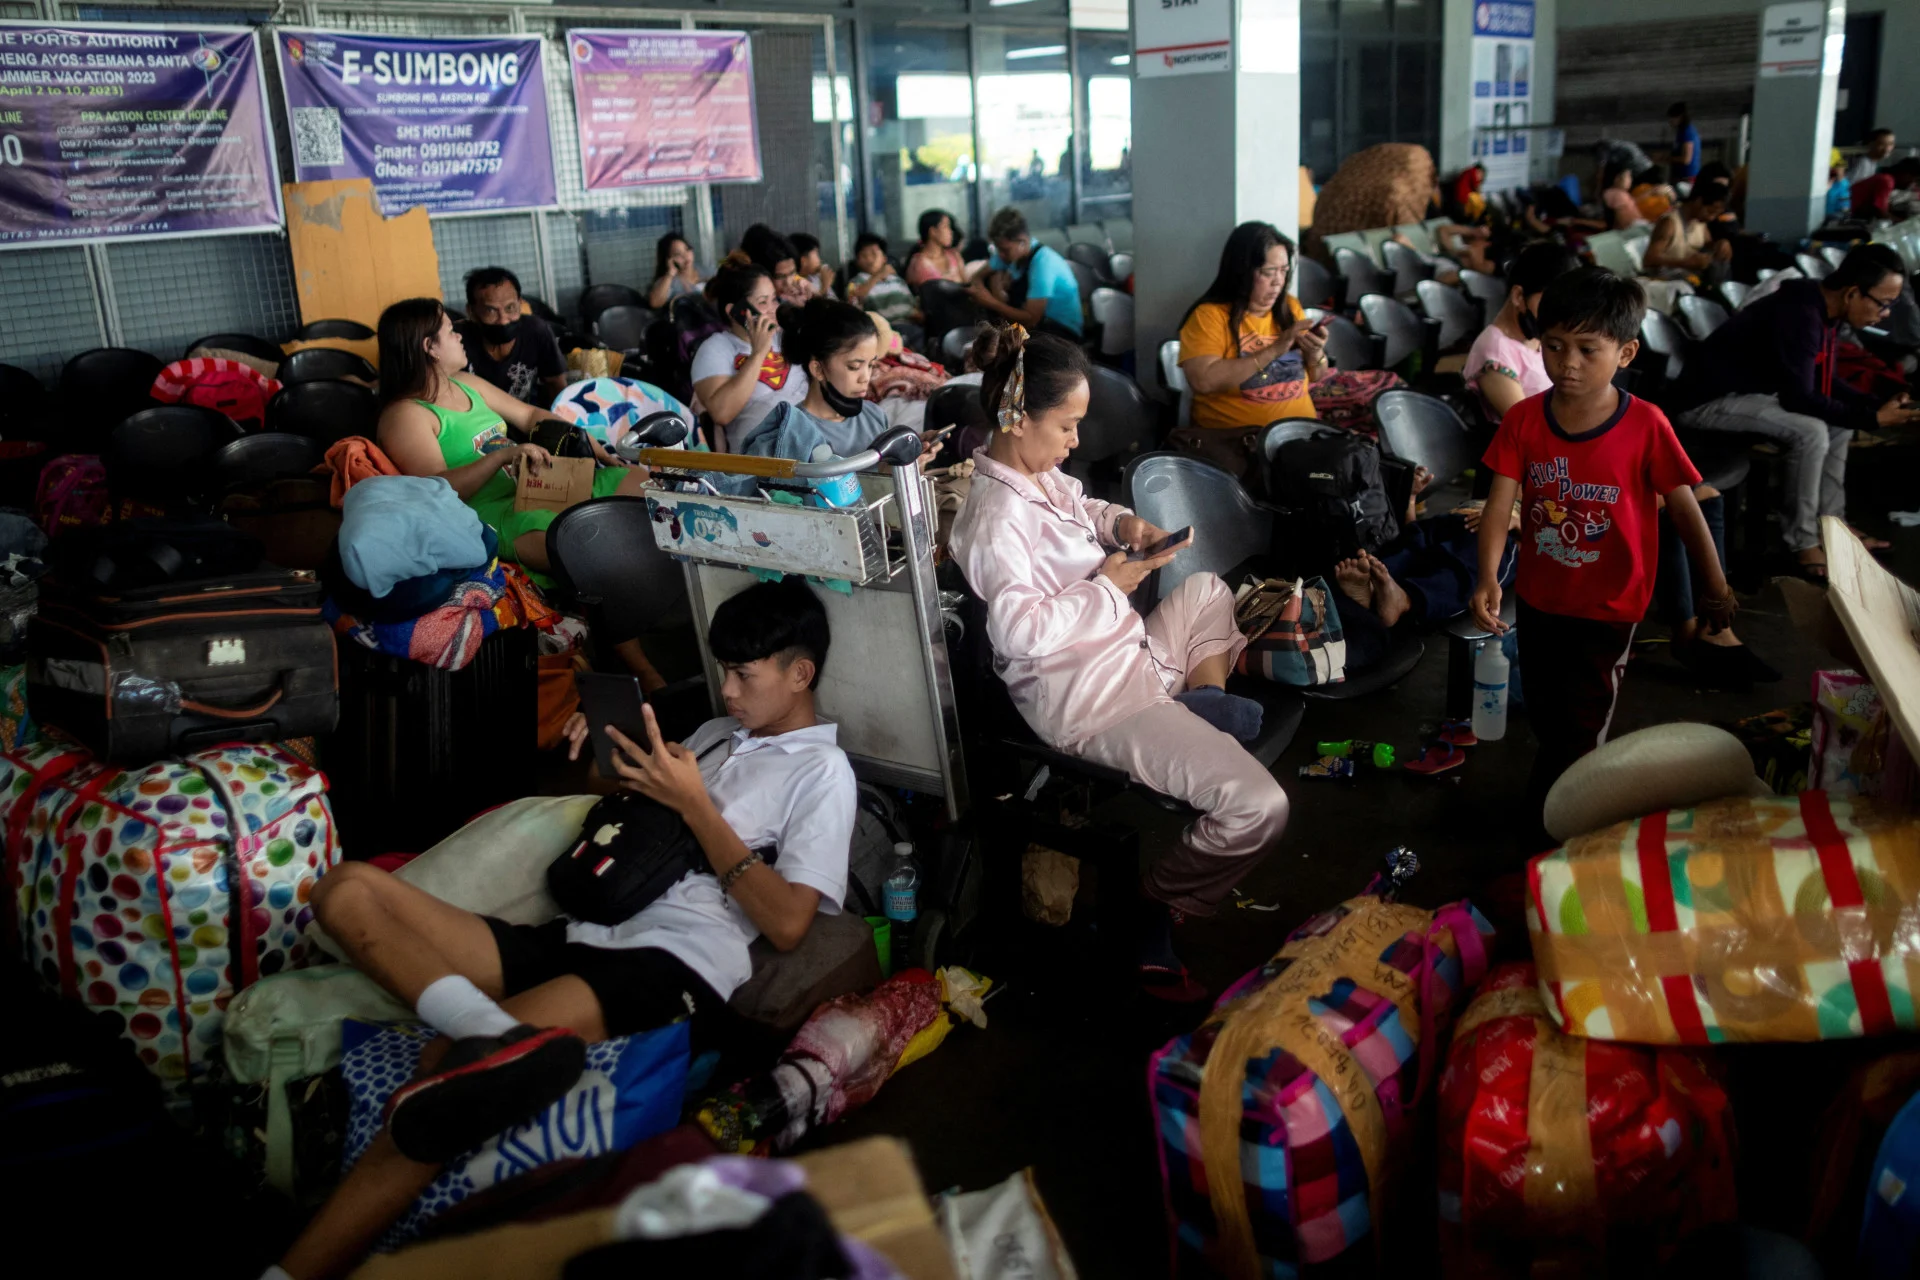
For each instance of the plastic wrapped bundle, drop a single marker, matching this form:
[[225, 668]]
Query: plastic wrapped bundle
[[1779, 918], [1282, 1119], [1570, 1157], [842, 1055]]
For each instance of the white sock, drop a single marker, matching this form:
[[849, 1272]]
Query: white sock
[[457, 1009], [275, 1272]]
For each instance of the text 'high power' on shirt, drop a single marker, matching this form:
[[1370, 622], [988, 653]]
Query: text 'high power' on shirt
[[1589, 523]]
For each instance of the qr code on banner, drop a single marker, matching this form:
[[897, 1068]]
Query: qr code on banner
[[316, 136]]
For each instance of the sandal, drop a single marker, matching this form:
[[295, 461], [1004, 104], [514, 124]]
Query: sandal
[[1458, 733], [1437, 758]]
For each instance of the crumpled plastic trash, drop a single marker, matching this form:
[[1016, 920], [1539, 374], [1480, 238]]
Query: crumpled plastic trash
[[1905, 519], [965, 993]]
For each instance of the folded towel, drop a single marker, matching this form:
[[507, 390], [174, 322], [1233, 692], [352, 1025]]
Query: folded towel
[[352, 460]]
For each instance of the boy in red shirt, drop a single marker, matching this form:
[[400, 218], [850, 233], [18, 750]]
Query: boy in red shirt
[[1590, 465]]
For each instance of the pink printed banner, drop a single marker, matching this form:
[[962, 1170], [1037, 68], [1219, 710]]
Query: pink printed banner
[[659, 107]]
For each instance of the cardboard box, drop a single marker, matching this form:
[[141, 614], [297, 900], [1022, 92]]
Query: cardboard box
[[872, 1191], [567, 482]]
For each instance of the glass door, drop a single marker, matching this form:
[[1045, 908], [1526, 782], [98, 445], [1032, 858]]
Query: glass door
[[1106, 77], [1026, 124], [919, 127]]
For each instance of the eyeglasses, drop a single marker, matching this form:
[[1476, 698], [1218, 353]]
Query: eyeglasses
[[1884, 305]]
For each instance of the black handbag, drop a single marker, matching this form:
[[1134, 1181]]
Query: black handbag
[[631, 850], [562, 439]]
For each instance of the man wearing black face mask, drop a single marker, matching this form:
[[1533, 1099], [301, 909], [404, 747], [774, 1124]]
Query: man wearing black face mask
[[506, 343]]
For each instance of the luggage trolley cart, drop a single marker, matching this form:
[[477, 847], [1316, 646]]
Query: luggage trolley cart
[[888, 684]]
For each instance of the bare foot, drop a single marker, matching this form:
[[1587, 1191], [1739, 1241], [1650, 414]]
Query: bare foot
[[1390, 600], [1355, 581]]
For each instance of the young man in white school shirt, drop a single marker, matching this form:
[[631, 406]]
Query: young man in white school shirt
[[518, 1004]]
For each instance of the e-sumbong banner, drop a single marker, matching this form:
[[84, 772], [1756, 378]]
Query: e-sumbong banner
[[455, 123], [129, 132], [664, 107]]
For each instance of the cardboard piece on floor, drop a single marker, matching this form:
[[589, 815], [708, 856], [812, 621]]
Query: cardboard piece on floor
[[1881, 615], [562, 483], [872, 1191], [350, 262]]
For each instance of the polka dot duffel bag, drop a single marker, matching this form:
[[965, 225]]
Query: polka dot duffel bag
[[153, 895]]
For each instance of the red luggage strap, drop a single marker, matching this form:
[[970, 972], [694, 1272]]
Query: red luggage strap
[[1848, 900], [242, 845], [17, 851]]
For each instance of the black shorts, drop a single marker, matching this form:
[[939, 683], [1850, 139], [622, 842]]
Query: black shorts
[[639, 988]]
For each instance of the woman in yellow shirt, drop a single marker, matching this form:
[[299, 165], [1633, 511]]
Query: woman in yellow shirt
[[1261, 373]]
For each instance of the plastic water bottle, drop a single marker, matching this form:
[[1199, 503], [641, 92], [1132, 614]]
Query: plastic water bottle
[[1490, 692], [901, 894], [834, 491]]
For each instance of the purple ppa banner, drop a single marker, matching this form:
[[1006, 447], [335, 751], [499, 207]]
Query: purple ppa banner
[[664, 107], [458, 125], [112, 132]]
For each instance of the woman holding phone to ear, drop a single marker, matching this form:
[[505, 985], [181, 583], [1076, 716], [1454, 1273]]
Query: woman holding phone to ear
[[1248, 352], [740, 373], [1088, 673]]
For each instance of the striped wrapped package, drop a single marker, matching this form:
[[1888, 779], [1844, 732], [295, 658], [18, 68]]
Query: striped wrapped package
[[1282, 1118], [1779, 918]]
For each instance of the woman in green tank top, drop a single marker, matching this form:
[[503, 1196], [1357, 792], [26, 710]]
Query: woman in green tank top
[[441, 422]]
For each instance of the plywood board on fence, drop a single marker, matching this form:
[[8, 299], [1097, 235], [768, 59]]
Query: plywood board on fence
[[350, 262]]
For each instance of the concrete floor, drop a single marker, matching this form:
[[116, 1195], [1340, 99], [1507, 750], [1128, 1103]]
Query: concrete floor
[[1057, 1079]]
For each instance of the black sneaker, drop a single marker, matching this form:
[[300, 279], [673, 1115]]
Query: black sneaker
[[482, 1086]]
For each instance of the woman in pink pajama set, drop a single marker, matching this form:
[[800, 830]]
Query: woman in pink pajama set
[[1089, 674]]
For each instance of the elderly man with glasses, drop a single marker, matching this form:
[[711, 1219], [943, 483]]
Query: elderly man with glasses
[[1771, 371]]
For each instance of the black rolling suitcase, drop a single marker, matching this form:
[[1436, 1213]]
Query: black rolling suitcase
[[419, 750], [166, 637]]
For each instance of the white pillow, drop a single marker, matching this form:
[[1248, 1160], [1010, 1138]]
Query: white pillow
[[496, 865], [1669, 766]]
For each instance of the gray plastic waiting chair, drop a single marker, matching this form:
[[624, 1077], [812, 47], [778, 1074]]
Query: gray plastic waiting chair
[[1113, 312], [1348, 347], [1362, 277], [1426, 432], [1668, 347], [604, 552], [1174, 490], [1175, 380], [1701, 315], [1489, 291], [1312, 283], [1458, 315], [1408, 267], [1120, 423], [1405, 332], [1286, 429]]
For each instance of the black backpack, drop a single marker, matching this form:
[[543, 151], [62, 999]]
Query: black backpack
[[1336, 493]]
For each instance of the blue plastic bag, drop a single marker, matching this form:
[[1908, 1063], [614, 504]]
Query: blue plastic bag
[[1890, 1232]]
